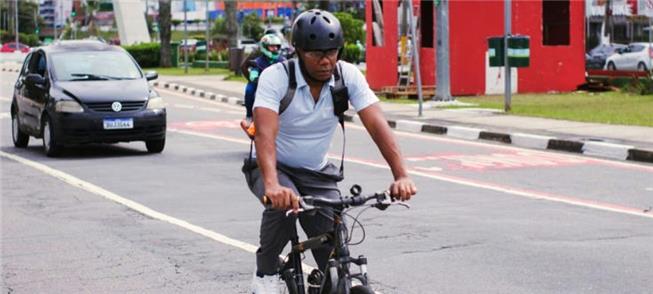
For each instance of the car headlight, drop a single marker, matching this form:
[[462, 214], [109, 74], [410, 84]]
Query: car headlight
[[155, 103], [68, 106]]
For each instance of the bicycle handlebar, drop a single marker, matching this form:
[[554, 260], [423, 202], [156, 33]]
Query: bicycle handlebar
[[309, 202]]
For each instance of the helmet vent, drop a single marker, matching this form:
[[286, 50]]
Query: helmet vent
[[317, 12], [313, 19], [326, 19], [313, 36], [332, 35]]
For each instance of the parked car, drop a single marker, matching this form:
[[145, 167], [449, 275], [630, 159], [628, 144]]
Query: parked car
[[12, 47], [248, 45], [637, 56], [75, 92], [595, 58]]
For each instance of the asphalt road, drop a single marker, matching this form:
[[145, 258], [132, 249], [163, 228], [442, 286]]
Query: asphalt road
[[487, 219]]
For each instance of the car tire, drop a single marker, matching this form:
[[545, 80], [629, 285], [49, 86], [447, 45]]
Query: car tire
[[641, 67], [51, 144], [155, 146], [611, 66], [20, 138]]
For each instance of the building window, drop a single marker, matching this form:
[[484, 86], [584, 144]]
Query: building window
[[426, 15], [377, 23], [555, 22]]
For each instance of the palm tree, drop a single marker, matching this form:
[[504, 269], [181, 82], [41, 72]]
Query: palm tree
[[164, 33], [230, 9], [90, 8]]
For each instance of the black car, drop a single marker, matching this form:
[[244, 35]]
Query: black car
[[595, 59], [76, 92]]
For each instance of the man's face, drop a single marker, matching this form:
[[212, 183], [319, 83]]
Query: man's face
[[320, 64]]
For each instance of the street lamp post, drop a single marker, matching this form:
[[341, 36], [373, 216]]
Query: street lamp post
[[16, 21], [206, 46], [507, 27], [185, 41]]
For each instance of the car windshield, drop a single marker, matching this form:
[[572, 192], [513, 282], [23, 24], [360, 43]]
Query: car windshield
[[94, 65]]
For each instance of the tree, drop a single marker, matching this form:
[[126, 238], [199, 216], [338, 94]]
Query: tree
[[90, 8], [230, 9], [28, 16], [351, 27], [164, 33], [253, 26]]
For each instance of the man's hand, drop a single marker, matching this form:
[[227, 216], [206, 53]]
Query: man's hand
[[282, 198], [253, 75], [403, 189]]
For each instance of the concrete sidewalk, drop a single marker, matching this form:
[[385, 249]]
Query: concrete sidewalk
[[601, 140]]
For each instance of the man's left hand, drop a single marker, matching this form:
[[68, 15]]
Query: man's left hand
[[403, 189]]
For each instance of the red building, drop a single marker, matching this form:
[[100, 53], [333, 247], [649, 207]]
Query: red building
[[557, 44]]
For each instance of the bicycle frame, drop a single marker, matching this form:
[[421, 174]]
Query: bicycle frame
[[338, 273]]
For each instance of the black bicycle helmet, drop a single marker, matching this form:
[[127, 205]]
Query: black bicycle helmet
[[317, 30]]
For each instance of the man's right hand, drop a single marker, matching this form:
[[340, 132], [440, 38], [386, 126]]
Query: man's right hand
[[282, 197]]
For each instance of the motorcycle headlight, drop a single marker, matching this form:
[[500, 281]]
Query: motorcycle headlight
[[68, 106], [155, 103]]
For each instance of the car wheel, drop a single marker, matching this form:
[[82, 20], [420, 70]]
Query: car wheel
[[641, 67], [155, 146], [19, 137], [51, 145], [611, 66]]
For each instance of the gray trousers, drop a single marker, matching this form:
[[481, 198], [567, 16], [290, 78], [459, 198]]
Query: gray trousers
[[277, 229]]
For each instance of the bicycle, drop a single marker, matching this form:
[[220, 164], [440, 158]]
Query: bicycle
[[339, 265]]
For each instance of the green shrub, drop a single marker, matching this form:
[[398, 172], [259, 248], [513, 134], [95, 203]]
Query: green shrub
[[351, 53], [27, 39], [146, 54]]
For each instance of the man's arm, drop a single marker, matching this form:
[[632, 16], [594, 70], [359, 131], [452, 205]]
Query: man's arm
[[377, 127], [267, 127]]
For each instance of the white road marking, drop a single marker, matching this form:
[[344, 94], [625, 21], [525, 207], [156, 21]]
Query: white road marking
[[76, 182], [4, 115], [186, 106], [471, 183]]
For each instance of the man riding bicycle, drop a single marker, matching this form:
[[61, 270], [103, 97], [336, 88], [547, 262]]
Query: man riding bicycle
[[297, 109]]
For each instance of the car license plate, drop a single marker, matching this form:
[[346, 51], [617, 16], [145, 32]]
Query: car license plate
[[118, 123]]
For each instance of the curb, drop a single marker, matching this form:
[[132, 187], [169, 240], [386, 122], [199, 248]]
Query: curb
[[532, 141]]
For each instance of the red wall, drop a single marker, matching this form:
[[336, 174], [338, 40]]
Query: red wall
[[382, 61], [552, 68], [471, 23]]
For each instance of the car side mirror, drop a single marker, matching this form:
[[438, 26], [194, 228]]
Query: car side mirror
[[151, 75], [34, 79]]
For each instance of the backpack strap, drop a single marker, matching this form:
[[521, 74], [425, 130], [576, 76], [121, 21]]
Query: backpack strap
[[289, 67]]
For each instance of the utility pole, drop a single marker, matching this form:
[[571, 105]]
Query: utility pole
[[16, 22], [206, 65], [185, 41], [418, 75], [443, 88], [507, 13]]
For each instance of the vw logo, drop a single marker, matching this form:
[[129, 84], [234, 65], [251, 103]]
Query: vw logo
[[116, 106]]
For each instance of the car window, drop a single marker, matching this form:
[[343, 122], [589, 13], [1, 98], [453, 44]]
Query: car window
[[12, 46], [636, 48], [37, 64], [23, 70], [93, 65]]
